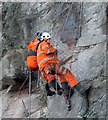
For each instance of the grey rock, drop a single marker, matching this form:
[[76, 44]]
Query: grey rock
[[12, 65], [86, 21], [93, 18], [90, 63], [91, 40], [56, 107]]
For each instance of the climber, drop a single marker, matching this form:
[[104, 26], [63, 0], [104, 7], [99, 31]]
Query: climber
[[31, 61], [48, 63]]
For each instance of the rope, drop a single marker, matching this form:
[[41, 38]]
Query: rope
[[60, 38], [38, 87], [65, 21], [70, 87], [38, 83], [63, 30], [26, 112], [30, 94], [56, 75]]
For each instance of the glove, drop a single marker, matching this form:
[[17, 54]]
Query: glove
[[53, 72]]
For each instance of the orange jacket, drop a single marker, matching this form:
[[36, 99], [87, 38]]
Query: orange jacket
[[33, 45], [46, 54], [32, 60]]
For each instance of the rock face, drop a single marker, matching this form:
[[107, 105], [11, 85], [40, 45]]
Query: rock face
[[76, 28]]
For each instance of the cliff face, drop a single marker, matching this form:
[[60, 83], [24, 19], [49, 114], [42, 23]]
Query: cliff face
[[77, 29]]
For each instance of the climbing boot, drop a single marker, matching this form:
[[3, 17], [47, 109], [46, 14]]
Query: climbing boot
[[49, 92], [84, 91], [54, 84]]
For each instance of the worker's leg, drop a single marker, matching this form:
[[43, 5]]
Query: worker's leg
[[49, 92], [56, 86], [72, 81], [68, 91], [52, 81], [83, 90]]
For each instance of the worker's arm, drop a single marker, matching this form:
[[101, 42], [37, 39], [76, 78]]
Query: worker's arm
[[48, 49]]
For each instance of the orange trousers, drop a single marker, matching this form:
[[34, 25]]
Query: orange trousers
[[32, 65], [63, 73]]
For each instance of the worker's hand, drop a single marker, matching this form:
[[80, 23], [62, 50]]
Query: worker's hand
[[56, 52]]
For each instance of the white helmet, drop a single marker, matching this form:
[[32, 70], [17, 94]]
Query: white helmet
[[45, 35]]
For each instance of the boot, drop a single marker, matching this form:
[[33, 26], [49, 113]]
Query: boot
[[67, 90], [49, 92], [54, 84], [82, 90]]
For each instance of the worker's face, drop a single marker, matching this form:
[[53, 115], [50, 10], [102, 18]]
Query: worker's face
[[48, 40]]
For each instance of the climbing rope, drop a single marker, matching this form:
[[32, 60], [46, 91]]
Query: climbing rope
[[60, 38], [63, 31], [69, 99], [65, 21], [38, 82], [30, 94]]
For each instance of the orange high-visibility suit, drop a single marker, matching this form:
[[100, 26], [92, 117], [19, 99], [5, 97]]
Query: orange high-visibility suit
[[32, 60], [33, 44], [47, 60]]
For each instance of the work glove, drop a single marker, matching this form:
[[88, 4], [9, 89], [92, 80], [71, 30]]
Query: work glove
[[52, 72]]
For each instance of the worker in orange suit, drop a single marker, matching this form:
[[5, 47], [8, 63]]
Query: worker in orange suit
[[48, 63], [31, 62]]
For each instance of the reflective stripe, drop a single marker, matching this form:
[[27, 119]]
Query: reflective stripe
[[40, 53], [45, 59], [50, 76], [44, 46], [60, 70], [48, 51], [64, 72]]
